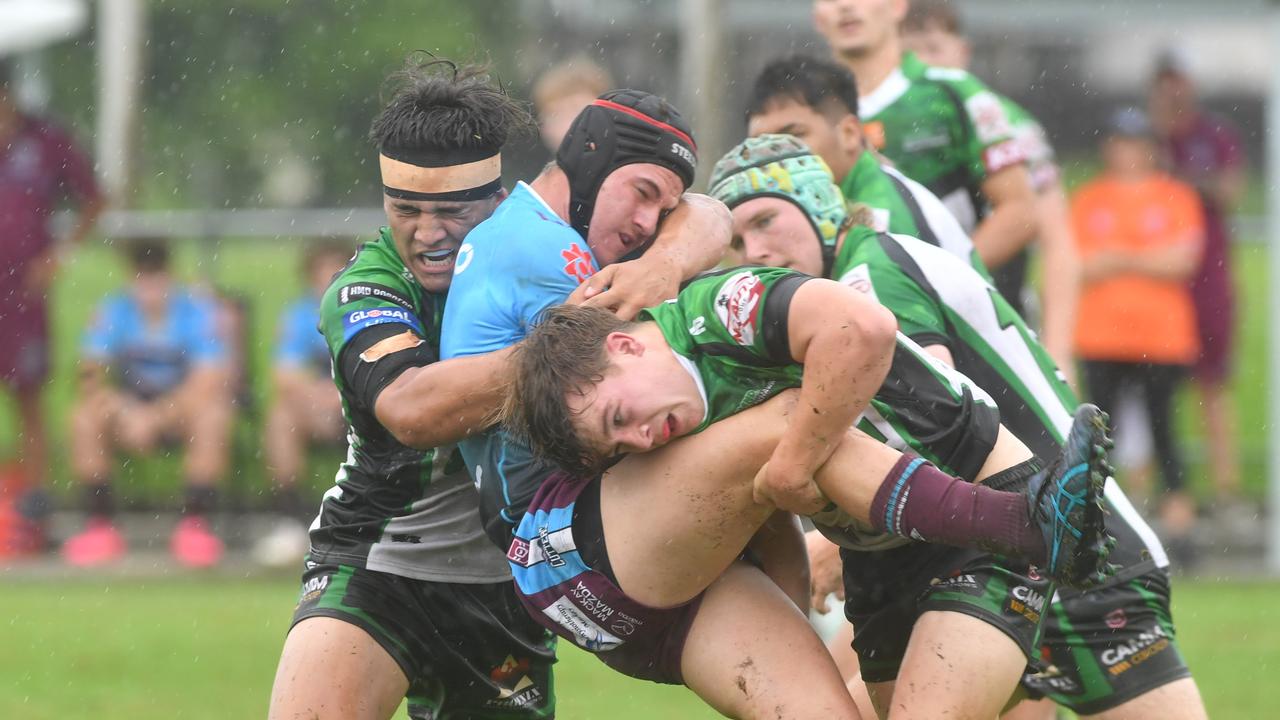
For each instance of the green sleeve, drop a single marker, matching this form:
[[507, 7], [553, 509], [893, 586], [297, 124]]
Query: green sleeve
[[918, 314], [991, 145], [365, 296], [740, 313]]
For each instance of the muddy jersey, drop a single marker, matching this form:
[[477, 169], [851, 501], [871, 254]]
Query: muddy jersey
[[729, 331], [898, 204], [939, 300], [393, 508]]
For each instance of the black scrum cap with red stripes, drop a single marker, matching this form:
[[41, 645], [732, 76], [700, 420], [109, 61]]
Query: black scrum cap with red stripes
[[620, 128]]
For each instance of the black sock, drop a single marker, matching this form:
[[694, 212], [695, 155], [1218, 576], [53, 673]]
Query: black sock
[[99, 501], [199, 500], [287, 501]]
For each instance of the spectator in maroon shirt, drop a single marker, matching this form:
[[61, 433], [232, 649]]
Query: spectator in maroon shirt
[[1203, 150], [39, 167]]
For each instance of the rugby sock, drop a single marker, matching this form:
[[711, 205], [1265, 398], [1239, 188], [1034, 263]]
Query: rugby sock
[[199, 500], [919, 501], [98, 500], [287, 501]]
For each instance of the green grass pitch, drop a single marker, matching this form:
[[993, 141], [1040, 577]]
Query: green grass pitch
[[200, 647]]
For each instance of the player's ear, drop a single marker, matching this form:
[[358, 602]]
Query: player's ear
[[849, 130], [620, 343]]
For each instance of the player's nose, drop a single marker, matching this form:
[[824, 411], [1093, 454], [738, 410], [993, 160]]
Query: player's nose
[[428, 231], [640, 437]]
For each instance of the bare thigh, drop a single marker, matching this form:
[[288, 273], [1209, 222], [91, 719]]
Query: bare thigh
[[745, 671], [332, 670], [675, 519], [1178, 700], [956, 666]]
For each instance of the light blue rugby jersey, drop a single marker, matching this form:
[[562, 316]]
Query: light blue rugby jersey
[[519, 262]]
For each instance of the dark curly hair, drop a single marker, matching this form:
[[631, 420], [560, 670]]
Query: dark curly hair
[[437, 104], [563, 355]]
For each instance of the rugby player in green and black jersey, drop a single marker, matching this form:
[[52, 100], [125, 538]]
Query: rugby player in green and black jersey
[[1089, 639], [940, 127], [403, 596], [933, 31], [816, 101], [589, 386]]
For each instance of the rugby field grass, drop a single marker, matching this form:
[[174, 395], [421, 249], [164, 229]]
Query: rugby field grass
[[200, 647]]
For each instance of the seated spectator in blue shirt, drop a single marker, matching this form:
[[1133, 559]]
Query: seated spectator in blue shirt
[[154, 369], [305, 408]]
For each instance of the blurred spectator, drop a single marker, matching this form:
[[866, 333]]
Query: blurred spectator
[[1204, 151], [39, 166], [562, 91], [154, 370], [1140, 234], [305, 408], [933, 31]]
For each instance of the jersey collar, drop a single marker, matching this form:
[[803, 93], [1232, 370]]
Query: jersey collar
[[875, 102], [692, 369], [529, 189]]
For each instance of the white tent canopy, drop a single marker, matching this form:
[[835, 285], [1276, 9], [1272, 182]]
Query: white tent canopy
[[31, 24]]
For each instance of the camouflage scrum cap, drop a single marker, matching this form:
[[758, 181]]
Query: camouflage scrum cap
[[783, 166]]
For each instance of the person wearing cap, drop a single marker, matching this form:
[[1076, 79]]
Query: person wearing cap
[[1205, 150], [933, 31], [402, 596], [950, 309], [1140, 234]]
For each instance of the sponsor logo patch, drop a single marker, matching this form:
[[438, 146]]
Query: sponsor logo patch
[[1027, 602], [365, 291], [354, 322], [859, 278], [1135, 651], [683, 153], [990, 122], [515, 689], [738, 306], [1001, 156], [1116, 619], [577, 263], [313, 588], [874, 133], [581, 628]]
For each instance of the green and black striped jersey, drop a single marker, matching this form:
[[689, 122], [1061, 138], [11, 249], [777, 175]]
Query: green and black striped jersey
[[900, 205], [730, 332], [939, 300], [393, 508]]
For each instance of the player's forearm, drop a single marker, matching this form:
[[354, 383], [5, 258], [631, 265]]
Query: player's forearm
[[1060, 285], [1174, 262], [846, 344], [696, 235], [1011, 224], [444, 402]]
